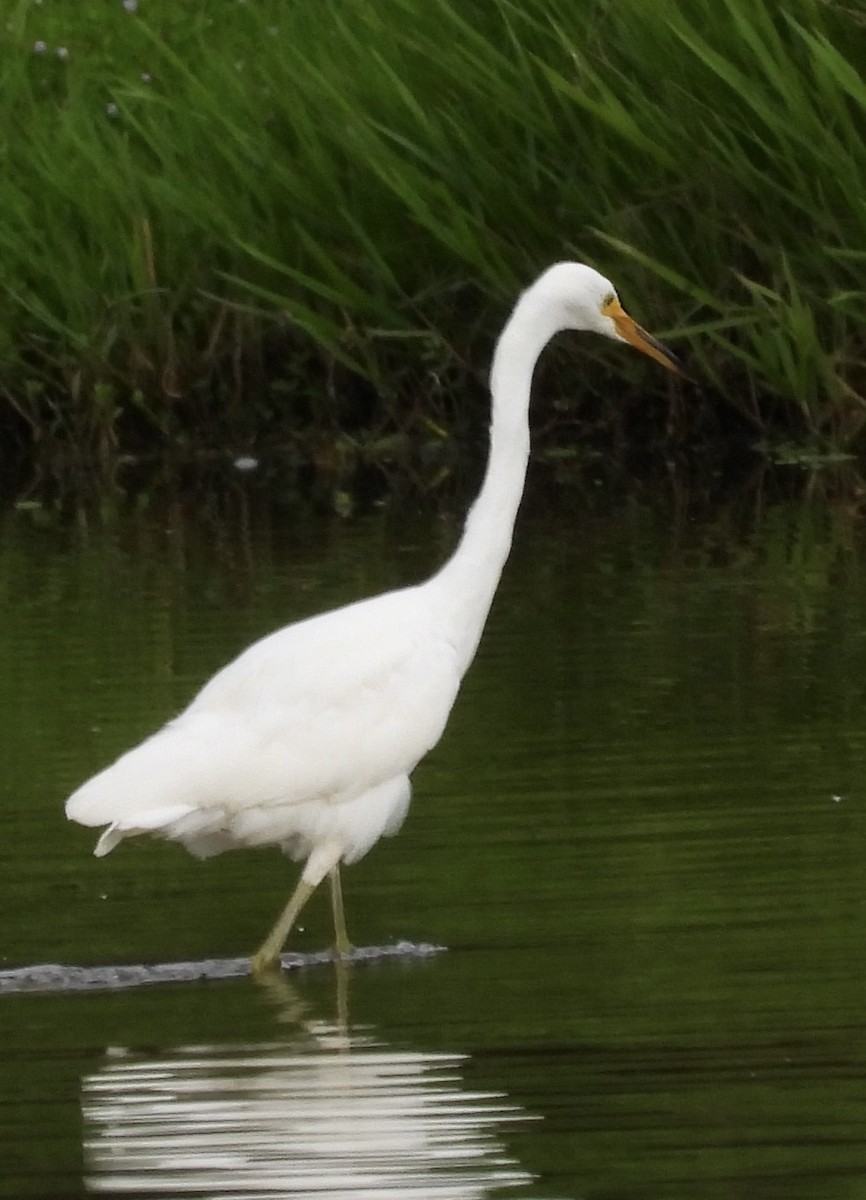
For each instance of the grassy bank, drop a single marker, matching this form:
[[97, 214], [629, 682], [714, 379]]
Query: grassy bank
[[224, 219]]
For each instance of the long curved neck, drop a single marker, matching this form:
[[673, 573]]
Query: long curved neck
[[469, 579]]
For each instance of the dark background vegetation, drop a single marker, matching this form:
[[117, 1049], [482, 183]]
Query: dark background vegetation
[[256, 224]]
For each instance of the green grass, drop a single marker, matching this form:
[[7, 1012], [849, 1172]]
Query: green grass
[[216, 218]]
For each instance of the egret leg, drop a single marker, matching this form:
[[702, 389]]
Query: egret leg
[[342, 945], [267, 957]]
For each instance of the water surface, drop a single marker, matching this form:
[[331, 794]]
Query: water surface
[[641, 841]]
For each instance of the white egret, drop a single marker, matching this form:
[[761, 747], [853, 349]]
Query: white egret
[[307, 740]]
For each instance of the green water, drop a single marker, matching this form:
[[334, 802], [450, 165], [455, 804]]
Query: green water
[[641, 841]]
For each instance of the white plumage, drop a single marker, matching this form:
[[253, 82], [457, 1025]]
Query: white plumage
[[272, 748], [307, 739]]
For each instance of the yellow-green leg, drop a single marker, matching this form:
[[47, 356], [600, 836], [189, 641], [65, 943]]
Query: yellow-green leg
[[342, 945], [267, 957]]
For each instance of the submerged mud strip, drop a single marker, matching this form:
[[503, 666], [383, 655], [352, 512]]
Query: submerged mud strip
[[55, 977]]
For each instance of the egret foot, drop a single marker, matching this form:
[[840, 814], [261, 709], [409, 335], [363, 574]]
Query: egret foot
[[263, 964], [341, 949]]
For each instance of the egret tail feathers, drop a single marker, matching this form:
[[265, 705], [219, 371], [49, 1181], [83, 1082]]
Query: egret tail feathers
[[154, 821]]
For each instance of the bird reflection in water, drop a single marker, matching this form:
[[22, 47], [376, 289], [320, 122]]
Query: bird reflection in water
[[328, 1111]]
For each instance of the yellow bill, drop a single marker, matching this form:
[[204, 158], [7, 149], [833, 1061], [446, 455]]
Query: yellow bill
[[631, 332]]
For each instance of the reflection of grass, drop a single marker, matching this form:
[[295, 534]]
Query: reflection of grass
[[205, 206]]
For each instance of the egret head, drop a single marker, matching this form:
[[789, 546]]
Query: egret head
[[583, 299]]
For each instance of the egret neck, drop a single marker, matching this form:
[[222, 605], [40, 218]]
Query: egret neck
[[467, 583]]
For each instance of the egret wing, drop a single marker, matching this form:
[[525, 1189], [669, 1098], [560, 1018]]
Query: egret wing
[[326, 709]]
